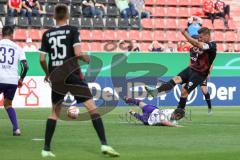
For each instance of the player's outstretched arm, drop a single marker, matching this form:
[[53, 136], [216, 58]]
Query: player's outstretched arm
[[191, 40], [81, 55]]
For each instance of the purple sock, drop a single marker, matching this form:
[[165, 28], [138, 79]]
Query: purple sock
[[12, 115], [133, 101]]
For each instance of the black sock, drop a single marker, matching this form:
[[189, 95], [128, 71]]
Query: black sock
[[50, 127], [182, 102], [166, 86], [208, 100], [98, 126]]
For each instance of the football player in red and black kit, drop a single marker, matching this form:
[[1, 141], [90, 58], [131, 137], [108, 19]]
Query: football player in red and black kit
[[202, 55], [62, 43]]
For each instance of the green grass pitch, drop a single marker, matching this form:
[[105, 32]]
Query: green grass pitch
[[214, 137]]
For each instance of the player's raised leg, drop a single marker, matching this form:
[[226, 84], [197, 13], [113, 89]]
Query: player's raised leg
[[164, 87], [98, 126], [136, 102]]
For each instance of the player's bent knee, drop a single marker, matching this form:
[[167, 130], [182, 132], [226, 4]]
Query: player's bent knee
[[177, 79], [7, 103], [91, 107]]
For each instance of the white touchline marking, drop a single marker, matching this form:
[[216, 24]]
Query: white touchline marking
[[37, 139]]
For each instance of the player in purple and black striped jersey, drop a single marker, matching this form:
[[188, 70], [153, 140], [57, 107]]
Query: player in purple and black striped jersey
[[202, 55]]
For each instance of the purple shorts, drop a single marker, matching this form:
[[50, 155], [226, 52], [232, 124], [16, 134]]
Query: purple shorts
[[148, 109], [8, 90]]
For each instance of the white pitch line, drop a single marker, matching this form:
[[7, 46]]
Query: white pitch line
[[37, 139]]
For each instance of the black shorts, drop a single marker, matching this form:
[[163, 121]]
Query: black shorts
[[8, 90], [81, 91], [192, 79]]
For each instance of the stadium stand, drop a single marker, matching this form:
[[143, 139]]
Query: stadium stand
[[167, 16]]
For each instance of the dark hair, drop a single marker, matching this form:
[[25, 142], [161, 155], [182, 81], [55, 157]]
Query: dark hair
[[61, 12], [204, 30], [7, 31], [179, 112]]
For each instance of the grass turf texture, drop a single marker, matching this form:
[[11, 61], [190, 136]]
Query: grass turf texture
[[206, 137]]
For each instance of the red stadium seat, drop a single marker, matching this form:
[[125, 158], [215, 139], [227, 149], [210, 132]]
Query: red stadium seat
[[238, 37], [158, 12], [35, 34], [85, 46], [231, 25], [195, 2], [220, 47], [180, 37], [160, 2], [171, 12], [150, 9], [230, 36], [21, 44], [134, 35], [96, 46], [121, 35], [146, 35], [97, 35], [20, 34], [85, 34], [219, 24], [207, 23], [147, 23], [158, 35], [183, 12], [159, 23], [219, 36], [171, 2], [150, 2], [144, 47], [196, 11], [182, 23], [171, 24], [183, 2], [109, 35], [171, 36]]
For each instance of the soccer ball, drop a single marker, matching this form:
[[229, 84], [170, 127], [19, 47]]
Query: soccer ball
[[73, 112]]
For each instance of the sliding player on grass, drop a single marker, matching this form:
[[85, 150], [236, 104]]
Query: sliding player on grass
[[202, 55], [10, 55], [153, 116], [62, 43]]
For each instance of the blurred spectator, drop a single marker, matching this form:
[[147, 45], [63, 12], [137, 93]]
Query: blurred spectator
[[15, 8], [194, 24], [29, 46], [92, 9], [156, 47], [134, 46], [139, 5], [126, 9], [183, 47], [208, 9], [170, 47], [222, 10], [33, 8], [230, 48]]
